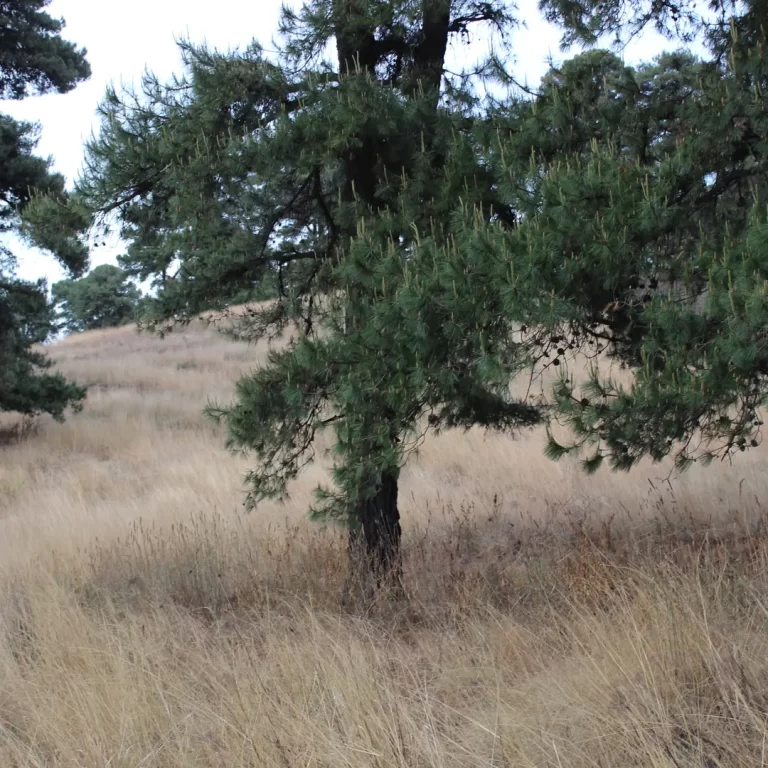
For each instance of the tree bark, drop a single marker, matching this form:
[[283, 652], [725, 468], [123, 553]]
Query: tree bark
[[374, 546], [375, 540]]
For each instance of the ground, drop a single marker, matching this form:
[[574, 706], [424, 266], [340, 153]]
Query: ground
[[550, 619]]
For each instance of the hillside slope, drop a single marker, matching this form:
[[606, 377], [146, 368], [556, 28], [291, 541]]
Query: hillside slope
[[550, 619]]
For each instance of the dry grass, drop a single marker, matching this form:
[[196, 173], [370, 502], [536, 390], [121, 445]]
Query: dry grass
[[550, 619]]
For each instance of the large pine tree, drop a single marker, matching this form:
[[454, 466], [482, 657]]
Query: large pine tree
[[33, 59], [318, 171], [428, 243]]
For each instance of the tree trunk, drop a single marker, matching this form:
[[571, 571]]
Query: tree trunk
[[374, 539]]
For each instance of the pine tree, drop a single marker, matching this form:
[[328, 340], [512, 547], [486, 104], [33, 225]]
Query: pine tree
[[104, 298], [322, 174], [33, 56], [641, 195], [429, 244], [33, 59]]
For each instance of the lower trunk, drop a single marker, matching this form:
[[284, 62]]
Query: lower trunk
[[374, 542]]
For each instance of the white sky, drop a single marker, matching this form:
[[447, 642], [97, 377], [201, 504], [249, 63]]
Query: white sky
[[125, 39]]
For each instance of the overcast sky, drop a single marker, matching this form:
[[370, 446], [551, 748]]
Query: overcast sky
[[124, 39]]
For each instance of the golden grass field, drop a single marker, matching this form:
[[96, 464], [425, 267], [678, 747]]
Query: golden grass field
[[550, 619]]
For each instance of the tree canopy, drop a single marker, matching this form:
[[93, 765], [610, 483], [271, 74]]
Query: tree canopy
[[642, 237], [432, 240], [33, 59], [104, 298]]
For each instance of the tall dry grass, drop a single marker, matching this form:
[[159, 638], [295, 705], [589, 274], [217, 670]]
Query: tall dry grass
[[549, 619]]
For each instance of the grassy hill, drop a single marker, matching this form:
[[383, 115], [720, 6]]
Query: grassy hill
[[551, 619]]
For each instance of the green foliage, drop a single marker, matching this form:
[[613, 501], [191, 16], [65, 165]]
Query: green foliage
[[26, 320], [642, 238], [21, 171], [51, 222], [33, 59], [587, 21], [33, 56], [104, 298]]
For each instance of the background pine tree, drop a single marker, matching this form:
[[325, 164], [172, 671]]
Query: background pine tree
[[104, 298], [33, 59]]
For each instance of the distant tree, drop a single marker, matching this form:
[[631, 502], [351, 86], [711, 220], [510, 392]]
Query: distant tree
[[33, 59], [33, 56], [104, 298]]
